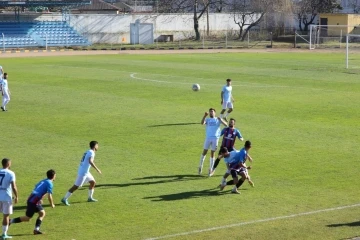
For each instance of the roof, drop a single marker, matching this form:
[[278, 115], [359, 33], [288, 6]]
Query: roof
[[23, 3], [98, 5]]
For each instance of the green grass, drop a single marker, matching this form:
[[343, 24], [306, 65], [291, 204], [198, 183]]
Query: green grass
[[300, 110]]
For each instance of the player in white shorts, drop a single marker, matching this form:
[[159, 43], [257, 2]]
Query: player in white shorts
[[4, 86], [226, 99], [212, 137], [1, 72], [84, 174], [7, 187]]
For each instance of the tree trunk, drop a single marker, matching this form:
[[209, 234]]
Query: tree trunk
[[196, 22], [300, 25]]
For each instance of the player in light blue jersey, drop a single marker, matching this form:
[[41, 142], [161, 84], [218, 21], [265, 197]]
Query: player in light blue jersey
[[7, 187], [236, 166], [84, 175], [1, 72], [34, 201], [226, 99], [5, 91], [212, 137]]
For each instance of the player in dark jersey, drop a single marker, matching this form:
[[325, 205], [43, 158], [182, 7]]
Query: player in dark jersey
[[229, 134], [35, 199]]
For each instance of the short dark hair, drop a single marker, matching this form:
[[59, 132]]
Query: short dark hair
[[247, 144], [93, 143], [223, 150], [212, 109], [50, 174], [228, 80], [5, 75], [232, 119], [5, 162]]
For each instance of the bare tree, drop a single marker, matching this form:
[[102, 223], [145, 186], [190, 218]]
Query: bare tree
[[248, 14], [197, 7], [307, 10], [355, 5]]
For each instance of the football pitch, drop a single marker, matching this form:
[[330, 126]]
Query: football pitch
[[299, 109]]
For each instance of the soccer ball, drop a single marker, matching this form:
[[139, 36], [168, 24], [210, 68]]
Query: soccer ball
[[195, 87]]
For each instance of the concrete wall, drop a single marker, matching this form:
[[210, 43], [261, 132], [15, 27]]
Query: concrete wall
[[114, 28]]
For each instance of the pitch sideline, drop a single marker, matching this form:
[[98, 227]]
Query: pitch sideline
[[253, 222]]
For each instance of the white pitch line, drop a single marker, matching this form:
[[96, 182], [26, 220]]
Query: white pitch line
[[207, 84], [253, 222]]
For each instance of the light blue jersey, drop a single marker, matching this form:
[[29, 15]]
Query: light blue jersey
[[239, 159], [227, 93], [84, 167], [6, 178], [4, 85], [231, 157], [212, 127]]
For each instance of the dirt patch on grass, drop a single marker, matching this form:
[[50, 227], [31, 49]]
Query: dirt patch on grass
[[186, 51]]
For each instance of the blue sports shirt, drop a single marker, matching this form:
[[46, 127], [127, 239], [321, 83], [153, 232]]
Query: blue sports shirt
[[41, 188]]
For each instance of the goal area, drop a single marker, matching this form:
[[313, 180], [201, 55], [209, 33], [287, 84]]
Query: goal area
[[331, 36], [352, 44]]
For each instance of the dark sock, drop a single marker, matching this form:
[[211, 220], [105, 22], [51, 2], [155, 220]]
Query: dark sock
[[240, 182], [38, 223], [231, 182], [15, 220], [216, 163]]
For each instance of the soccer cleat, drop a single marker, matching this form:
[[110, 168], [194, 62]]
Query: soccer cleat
[[92, 200], [5, 236], [251, 183], [36, 232], [211, 172], [235, 191], [200, 170], [3, 109], [65, 201], [222, 186]]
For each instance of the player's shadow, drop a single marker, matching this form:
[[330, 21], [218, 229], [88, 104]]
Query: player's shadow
[[187, 195], [173, 124], [350, 224], [17, 207], [158, 180]]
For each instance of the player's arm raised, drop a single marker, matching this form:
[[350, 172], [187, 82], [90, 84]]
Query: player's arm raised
[[91, 161], [203, 119]]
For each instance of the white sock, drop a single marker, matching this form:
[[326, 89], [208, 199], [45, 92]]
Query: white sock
[[67, 195], [5, 229], [234, 188], [91, 192], [202, 158], [223, 180], [211, 163]]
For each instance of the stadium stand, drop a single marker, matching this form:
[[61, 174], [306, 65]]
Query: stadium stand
[[22, 34], [32, 34]]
